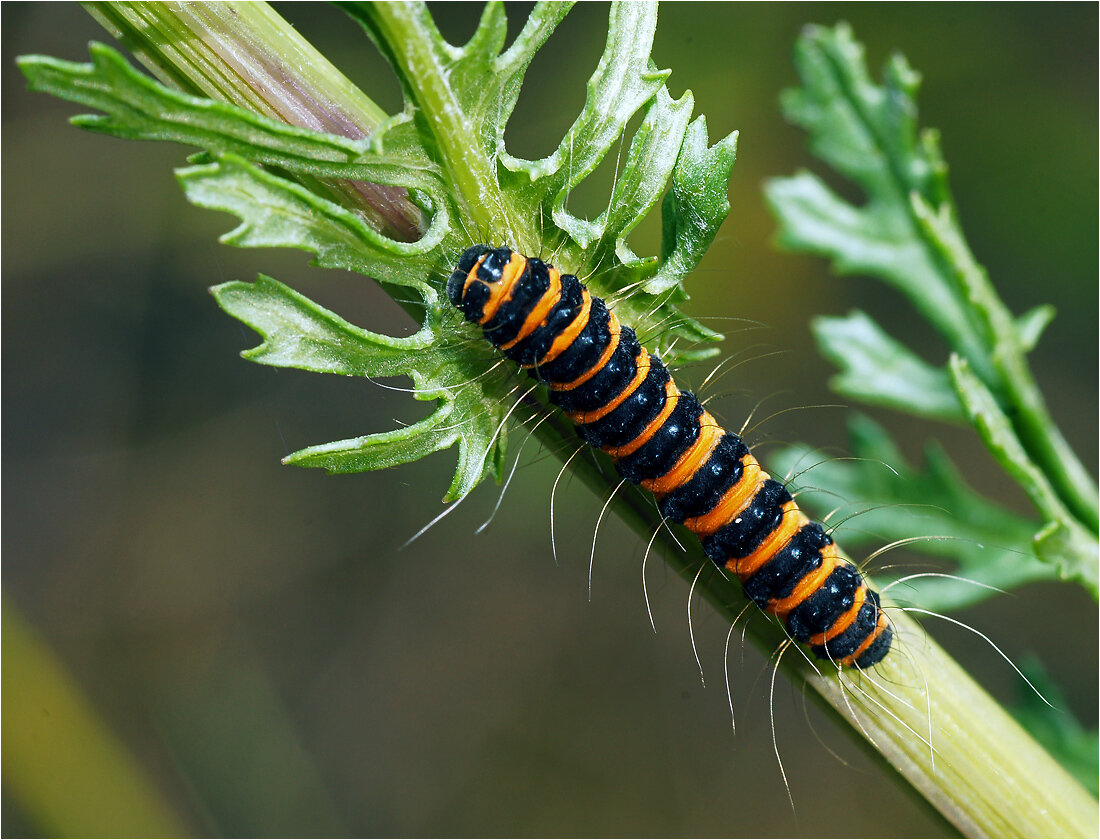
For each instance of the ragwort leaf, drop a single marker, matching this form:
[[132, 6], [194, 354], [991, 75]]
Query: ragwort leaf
[[293, 187], [879, 370], [883, 499], [299, 333], [695, 207], [869, 134], [467, 92], [907, 233], [276, 212], [624, 80], [137, 107]]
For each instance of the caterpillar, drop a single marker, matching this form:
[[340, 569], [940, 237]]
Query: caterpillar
[[623, 401]]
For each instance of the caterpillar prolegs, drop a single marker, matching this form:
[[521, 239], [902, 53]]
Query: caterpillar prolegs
[[623, 400]]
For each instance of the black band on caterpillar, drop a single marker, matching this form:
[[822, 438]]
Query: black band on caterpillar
[[623, 401]]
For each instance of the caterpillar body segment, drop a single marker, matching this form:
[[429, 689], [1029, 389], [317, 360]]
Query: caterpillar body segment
[[622, 400]]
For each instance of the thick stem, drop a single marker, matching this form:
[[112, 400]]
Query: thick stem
[[410, 35], [980, 770], [246, 54], [922, 713]]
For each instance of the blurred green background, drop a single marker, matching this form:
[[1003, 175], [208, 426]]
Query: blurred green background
[[255, 637]]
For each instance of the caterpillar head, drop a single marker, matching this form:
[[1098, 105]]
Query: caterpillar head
[[457, 283]]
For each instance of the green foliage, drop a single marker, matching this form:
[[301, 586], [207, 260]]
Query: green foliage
[[461, 98], [444, 156], [876, 497], [299, 333], [876, 368], [908, 235], [1075, 747], [293, 187]]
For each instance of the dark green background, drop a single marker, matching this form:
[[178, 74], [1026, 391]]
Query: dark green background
[[257, 635]]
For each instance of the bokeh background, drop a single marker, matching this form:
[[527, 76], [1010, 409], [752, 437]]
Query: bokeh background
[[253, 641]]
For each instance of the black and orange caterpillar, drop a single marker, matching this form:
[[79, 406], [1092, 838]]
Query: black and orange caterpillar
[[623, 400]]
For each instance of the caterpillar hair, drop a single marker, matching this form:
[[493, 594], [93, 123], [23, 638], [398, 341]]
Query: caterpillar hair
[[623, 401]]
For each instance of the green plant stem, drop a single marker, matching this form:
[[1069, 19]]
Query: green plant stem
[[1037, 430], [1014, 384], [1044, 442], [246, 54], [407, 29], [981, 771], [920, 711]]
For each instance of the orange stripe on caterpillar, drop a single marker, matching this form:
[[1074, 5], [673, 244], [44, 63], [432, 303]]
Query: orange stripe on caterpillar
[[623, 401]]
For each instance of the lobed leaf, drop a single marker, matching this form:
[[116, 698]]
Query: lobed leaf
[[462, 97], [907, 233], [875, 497], [442, 430], [877, 239], [624, 80], [869, 134], [646, 172], [299, 333], [695, 207], [879, 370], [298, 188], [277, 212], [139, 108]]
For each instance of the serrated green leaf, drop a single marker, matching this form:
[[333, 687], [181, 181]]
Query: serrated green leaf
[[441, 430], [874, 240], [695, 207], [869, 134], [446, 148], [277, 212], [137, 107], [875, 498], [814, 218], [646, 171], [624, 80], [907, 233], [513, 63], [879, 370], [461, 98], [300, 334], [487, 81], [1030, 325]]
